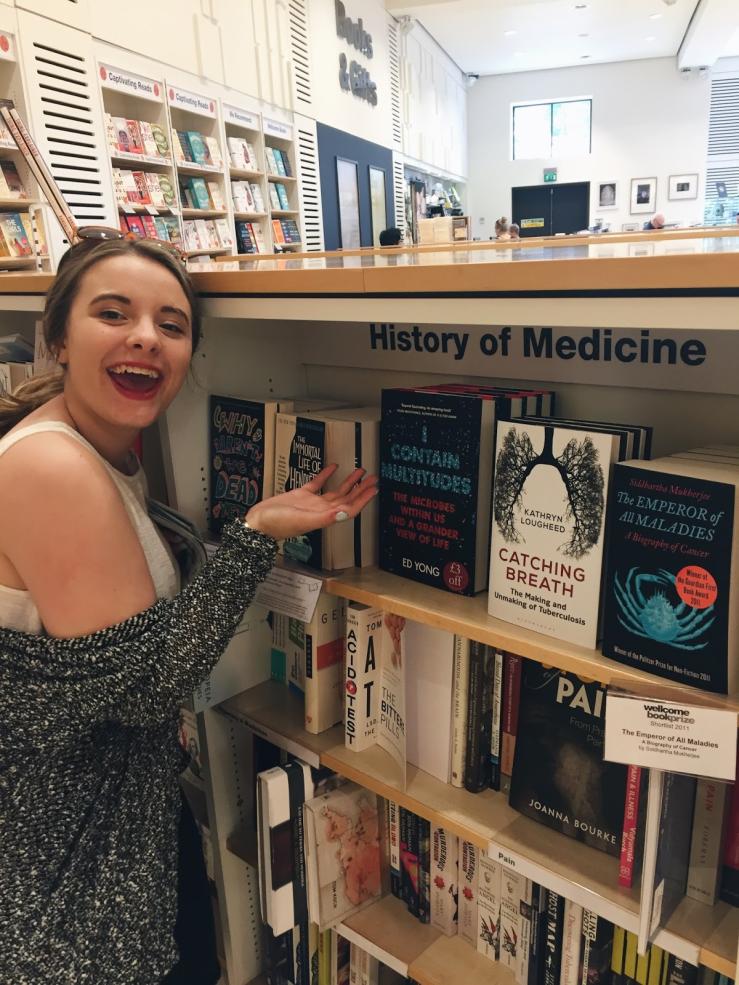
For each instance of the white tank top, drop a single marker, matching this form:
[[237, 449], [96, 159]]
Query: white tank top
[[17, 609]]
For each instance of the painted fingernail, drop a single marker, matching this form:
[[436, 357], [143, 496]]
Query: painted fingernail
[[341, 515]]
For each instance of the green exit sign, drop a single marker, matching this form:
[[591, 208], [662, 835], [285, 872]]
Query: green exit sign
[[550, 174]]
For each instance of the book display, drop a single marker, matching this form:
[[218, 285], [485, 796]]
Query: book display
[[282, 190], [140, 149], [247, 179], [196, 141]]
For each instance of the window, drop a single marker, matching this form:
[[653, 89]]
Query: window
[[544, 130]]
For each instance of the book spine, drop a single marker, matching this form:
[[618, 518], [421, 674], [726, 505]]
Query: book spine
[[424, 870], [511, 695], [488, 908], [524, 907], [468, 855], [459, 708], [538, 934], [355, 962], [319, 956], [324, 651], [405, 894], [474, 778], [394, 838], [571, 939], [553, 939], [730, 870], [629, 833], [709, 818], [496, 721], [363, 628], [511, 892], [444, 878], [413, 902]]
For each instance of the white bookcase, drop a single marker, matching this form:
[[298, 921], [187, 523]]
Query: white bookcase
[[280, 135], [127, 96], [191, 112], [245, 125]]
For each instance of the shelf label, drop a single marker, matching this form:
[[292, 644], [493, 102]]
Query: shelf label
[[240, 117], [134, 85], [669, 735], [191, 101], [277, 129], [7, 47], [290, 593]]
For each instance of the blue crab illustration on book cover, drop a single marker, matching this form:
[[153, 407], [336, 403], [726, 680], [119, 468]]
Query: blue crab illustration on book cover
[[668, 575]]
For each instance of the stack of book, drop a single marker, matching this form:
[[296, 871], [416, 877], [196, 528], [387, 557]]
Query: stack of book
[[11, 185], [278, 196], [143, 188], [193, 147], [197, 193], [285, 231], [16, 235], [278, 162], [136, 137], [247, 197], [242, 154], [250, 238], [206, 234], [152, 227]]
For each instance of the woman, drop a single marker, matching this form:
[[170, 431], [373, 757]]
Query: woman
[[99, 643]]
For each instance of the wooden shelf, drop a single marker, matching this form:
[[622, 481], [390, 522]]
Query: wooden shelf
[[243, 844], [213, 251], [469, 617], [245, 173], [714, 929], [452, 959], [143, 161], [248, 216], [190, 167], [18, 204], [15, 263], [273, 711], [132, 208], [387, 931], [281, 177], [285, 212], [203, 213]]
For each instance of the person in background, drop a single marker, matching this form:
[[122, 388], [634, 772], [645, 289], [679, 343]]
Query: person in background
[[656, 222], [501, 229], [514, 230], [391, 237]]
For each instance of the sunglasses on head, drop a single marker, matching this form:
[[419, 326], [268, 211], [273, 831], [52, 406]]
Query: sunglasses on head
[[90, 235]]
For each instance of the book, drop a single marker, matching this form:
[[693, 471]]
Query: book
[[424, 870], [680, 972], [672, 578], [147, 138], [571, 944], [429, 654], [244, 242], [363, 665], [460, 704], [550, 494], [216, 195], [496, 724], [632, 834], [325, 638], [257, 197], [282, 196], [340, 959], [15, 235], [181, 143], [730, 869], [199, 191], [135, 140], [537, 942], [709, 826], [154, 188], [159, 136], [142, 187], [281, 793], [287, 653], [554, 924], [279, 161], [343, 853], [479, 717], [274, 199], [524, 909], [410, 861], [269, 154], [167, 188], [286, 164], [214, 150], [596, 948], [468, 892], [435, 489], [444, 880], [11, 185], [512, 666], [559, 775], [135, 225], [512, 889], [149, 226], [242, 441], [237, 152], [223, 231], [489, 887], [199, 148], [393, 831], [111, 135]]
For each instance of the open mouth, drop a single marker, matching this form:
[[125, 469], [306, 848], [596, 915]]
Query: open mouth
[[136, 382]]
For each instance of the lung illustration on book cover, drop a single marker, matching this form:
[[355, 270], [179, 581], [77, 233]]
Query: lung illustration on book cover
[[559, 776], [547, 541]]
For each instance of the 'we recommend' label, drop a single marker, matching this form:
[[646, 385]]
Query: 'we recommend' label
[[665, 735]]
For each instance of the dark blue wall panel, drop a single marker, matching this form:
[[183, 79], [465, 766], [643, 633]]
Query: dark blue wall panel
[[335, 143]]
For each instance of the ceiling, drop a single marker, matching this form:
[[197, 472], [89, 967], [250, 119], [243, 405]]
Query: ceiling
[[491, 37]]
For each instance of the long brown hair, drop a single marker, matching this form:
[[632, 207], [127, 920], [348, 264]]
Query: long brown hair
[[75, 263]]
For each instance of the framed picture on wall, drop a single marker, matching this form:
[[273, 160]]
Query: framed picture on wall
[[347, 183], [682, 186], [378, 202], [607, 195], [643, 195]]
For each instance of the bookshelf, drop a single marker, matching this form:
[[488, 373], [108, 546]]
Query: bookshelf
[[248, 189], [144, 181], [199, 156], [282, 201]]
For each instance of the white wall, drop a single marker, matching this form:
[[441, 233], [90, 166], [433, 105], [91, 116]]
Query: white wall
[[434, 105], [648, 121], [333, 105]]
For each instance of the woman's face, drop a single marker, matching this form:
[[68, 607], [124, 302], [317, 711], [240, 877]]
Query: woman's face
[[128, 341]]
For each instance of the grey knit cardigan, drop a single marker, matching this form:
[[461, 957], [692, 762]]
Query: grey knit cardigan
[[89, 765]]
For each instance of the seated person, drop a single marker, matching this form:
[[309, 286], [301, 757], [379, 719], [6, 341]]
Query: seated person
[[501, 229], [514, 231], [391, 237], [656, 222]]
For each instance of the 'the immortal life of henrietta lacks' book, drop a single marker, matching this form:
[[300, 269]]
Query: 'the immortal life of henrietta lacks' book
[[546, 556], [559, 776], [672, 577]]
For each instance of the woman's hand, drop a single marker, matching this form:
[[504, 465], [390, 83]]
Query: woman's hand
[[301, 510]]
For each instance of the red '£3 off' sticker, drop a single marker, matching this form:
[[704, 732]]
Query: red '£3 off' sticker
[[456, 577], [696, 586]]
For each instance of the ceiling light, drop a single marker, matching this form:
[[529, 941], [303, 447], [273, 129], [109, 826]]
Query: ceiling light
[[585, 35], [584, 56], [655, 17], [509, 34], [581, 6], [650, 37]]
